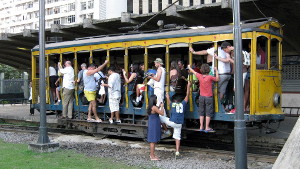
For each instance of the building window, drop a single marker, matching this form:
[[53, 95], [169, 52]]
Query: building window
[[202, 2], [140, 6], [191, 2], [213, 1], [71, 19], [83, 6], [71, 7], [56, 10], [90, 15], [90, 4], [180, 2], [130, 6], [83, 16], [150, 6], [56, 21], [49, 11], [30, 5], [170, 1], [159, 5]]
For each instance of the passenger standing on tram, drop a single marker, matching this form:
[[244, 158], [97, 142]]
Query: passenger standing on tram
[[183, 72], [159, 86], [224, 69], [90, 90], [154, 129], [52, 78], [178, 108], [114, 93], [68, 89], [174, 75], [80, 76], [206, 100]]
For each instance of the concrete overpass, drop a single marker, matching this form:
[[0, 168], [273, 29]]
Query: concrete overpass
[[15, 48]]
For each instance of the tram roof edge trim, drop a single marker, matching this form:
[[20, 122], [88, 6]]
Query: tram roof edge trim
[[160, 35]]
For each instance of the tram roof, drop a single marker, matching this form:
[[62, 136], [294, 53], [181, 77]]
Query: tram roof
[[95, 40]]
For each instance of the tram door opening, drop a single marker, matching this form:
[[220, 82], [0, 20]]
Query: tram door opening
[[83, 57], [136, 62], [51, 78], [117, 60], [179, 59]]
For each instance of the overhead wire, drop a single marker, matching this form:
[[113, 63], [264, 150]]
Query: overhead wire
[[259, 9]]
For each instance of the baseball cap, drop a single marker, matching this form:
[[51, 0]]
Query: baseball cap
[[159, 60]]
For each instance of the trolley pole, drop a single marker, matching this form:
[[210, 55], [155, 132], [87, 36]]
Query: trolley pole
[[43, 144], [240, 135]]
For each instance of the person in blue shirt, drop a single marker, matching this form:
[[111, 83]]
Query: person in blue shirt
[[178, 108]]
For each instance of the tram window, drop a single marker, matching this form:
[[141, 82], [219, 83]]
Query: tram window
[[262, 53], [274, 54]]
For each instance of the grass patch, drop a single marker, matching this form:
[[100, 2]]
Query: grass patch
[[18, 156]]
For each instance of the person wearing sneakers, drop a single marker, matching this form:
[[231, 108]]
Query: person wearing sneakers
[[114, 93], [178, 107], [206, 100], [90, 90]]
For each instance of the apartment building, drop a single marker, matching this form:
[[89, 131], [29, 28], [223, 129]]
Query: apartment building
[[17, 15], [149, 6]]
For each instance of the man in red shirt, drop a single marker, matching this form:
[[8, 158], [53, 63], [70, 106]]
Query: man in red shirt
[[206, 95]]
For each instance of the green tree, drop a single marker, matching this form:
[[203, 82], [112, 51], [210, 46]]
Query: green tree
[[10, 72]]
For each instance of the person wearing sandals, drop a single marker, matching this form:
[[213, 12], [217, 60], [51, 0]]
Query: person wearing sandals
[[90, 90], [178, 107], [206, 95], [114, 94], [154, 129]]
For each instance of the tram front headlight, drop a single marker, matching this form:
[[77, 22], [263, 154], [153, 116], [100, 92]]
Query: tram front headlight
[[276, 99]]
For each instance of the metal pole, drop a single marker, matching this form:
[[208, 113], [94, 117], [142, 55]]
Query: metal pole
[[240, 137], [43, 135]]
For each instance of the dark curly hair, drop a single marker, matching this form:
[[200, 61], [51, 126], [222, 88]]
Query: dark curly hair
[[152, 102], [205, 69]]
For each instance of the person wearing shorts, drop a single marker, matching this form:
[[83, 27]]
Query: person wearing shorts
[[178, 108], [206, 96], [114, 93], [90, 90]]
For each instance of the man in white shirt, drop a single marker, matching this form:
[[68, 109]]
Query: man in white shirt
[[224, 69], [68, 88], [114, 93]]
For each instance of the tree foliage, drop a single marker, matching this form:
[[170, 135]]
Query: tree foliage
[[10, 72]]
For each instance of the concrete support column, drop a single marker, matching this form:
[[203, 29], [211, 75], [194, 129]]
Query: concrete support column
[[1, 83], [26, 86]]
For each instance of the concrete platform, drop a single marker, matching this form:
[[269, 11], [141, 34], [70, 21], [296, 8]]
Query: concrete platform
[[21, 112]]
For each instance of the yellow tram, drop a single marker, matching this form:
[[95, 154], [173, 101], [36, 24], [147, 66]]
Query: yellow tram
[[124, 49]]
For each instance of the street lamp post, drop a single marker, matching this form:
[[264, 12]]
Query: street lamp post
[[240, 137], [43, 144]]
